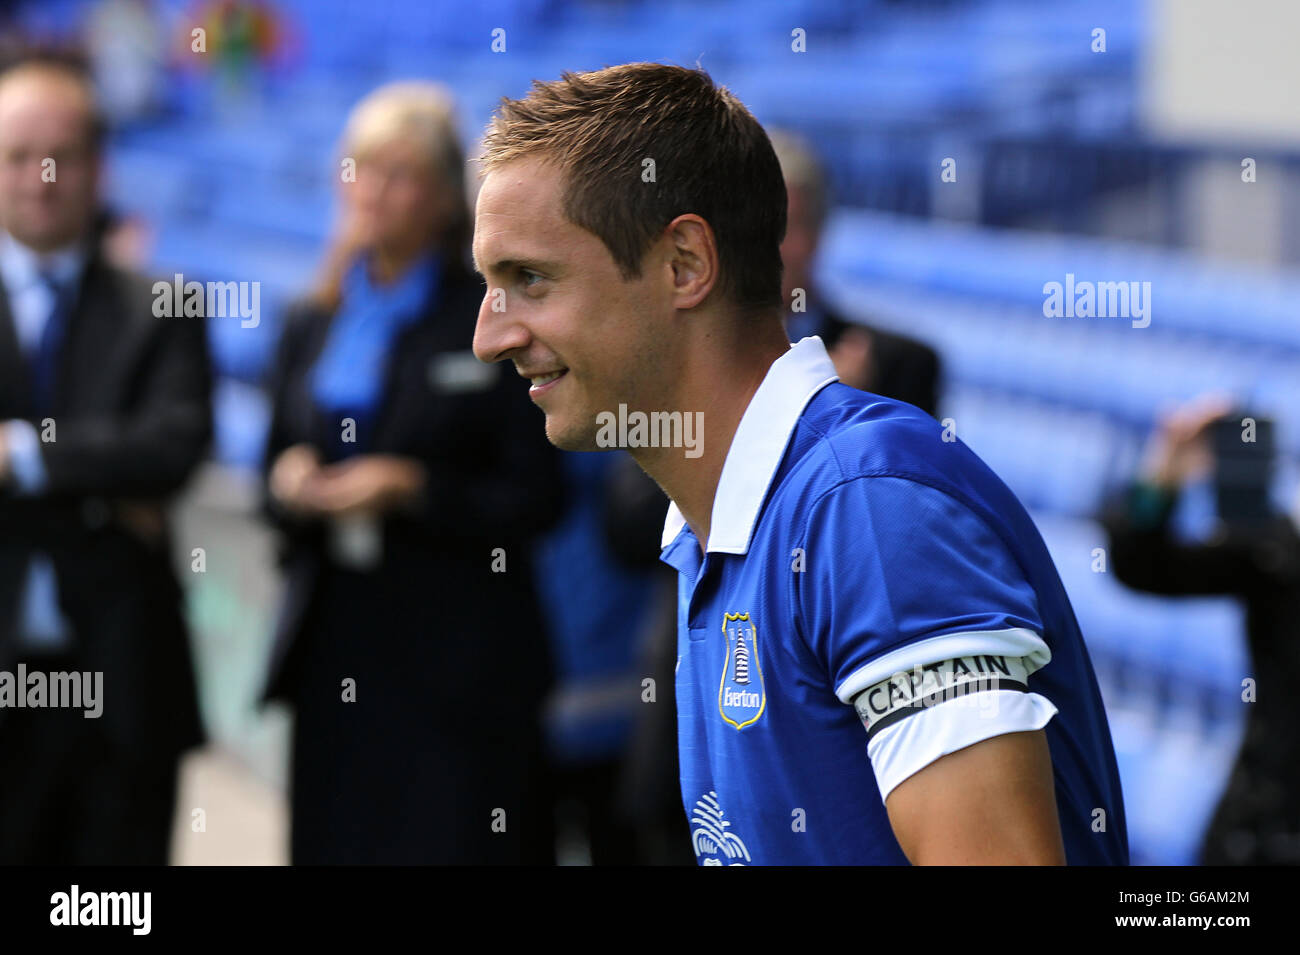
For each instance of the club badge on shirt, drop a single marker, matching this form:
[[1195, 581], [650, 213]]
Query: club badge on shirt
[[741, 696]]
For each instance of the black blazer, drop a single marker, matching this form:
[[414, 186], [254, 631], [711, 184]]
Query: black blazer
[[132, 419], [494, 482]]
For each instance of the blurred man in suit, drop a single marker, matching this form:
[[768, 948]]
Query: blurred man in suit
[[881, 362], [104, 412]]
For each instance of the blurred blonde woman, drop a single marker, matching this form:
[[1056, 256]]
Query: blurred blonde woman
[[402, 474]]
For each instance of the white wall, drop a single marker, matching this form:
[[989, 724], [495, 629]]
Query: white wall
[[1223, 70]]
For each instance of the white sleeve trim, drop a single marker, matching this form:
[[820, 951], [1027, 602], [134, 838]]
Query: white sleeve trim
[[910, 745], [1012, 642]]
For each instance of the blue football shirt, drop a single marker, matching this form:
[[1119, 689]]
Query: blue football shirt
[[873, 597]]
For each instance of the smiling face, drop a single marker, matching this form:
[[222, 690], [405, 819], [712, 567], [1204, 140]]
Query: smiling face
[[567, 308]]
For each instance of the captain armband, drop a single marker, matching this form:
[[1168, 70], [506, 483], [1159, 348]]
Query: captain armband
[[962, 681]]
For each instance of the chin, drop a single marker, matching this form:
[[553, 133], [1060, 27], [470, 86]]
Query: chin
[[567, 437], [47, 234], [43, 241]]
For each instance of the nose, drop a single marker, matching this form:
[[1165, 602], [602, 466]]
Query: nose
[[497, 334]]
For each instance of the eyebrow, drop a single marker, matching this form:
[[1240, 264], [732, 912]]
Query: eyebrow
[[508, 265]]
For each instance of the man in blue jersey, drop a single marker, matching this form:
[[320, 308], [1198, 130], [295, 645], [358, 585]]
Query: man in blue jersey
[[877, 663]]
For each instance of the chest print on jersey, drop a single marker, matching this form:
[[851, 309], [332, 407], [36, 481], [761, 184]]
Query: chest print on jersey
[[741, 694]]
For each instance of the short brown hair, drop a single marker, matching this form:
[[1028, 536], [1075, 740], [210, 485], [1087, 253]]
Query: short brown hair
[[711, 158]]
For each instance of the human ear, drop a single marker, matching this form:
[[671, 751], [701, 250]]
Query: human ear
[[694, 259]]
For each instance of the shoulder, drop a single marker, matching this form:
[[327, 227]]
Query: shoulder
[[853, 448], [133, 291], [135, 300], [850, 433]]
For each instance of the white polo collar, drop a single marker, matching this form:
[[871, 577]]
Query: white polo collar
[[758, 446]]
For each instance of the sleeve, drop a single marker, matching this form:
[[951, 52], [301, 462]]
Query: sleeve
[[278, 437], [25, 457], [923, 620], [1146, 556]]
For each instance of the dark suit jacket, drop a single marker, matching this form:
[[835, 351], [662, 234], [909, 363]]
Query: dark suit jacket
[[132, 418], [902, 367], [494, 482]]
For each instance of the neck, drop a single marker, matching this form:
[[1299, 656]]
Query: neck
[[388, 264], [740, 360], [47, 249]]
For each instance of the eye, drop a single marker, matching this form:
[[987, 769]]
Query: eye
[[529, 278]]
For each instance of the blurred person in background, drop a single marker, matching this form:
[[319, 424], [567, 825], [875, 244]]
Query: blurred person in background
[[1254, 557], [595, 609], [649, 794], [104, 413], [128, 50], [242, 42], [408, 481], [883, 363], [125, 239]]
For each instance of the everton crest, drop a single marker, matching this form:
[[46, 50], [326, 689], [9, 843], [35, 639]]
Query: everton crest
[[741, 697]]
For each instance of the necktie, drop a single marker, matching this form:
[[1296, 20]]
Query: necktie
[[41, 624], [44, 363]]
